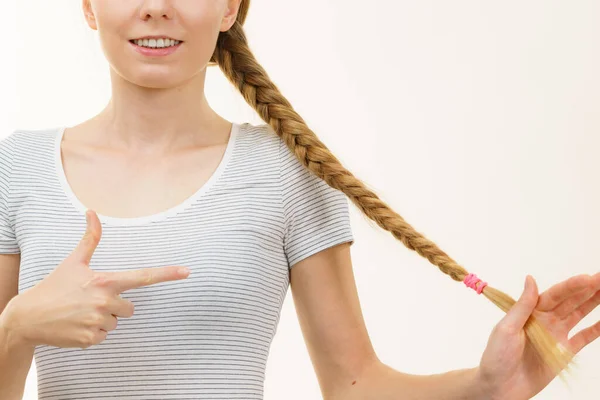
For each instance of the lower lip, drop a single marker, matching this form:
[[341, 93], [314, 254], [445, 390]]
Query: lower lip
[[165, 51]]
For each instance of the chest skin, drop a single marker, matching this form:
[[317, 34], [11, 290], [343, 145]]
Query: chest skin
[[134, 185]]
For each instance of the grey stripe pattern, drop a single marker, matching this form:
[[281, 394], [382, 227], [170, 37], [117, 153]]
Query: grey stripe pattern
[[205, 337]]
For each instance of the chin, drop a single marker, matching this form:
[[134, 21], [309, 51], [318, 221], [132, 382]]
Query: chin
[[153, 79]]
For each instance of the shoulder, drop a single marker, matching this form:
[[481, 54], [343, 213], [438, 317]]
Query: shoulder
[[262, 134], [26, 144], [265, 147], [259, 145], [8, 148], [25, 138]]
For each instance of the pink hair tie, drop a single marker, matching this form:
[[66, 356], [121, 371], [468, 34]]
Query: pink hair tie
[[471, 281]]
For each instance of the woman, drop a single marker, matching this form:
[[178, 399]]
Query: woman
[[247, 208]]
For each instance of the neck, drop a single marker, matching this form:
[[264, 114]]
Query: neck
[[146, 119]]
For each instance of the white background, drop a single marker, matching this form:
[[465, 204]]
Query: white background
[[477, 121]]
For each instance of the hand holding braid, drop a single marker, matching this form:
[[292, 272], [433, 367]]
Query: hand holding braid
[[238, 64]]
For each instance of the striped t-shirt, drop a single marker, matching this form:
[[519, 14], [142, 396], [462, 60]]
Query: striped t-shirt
[[207, 336]]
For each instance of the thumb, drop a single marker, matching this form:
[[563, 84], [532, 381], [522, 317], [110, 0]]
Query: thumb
[[518, 315], [88, 243]]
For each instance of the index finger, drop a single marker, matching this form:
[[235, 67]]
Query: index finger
[[560, 292], [125, 280]]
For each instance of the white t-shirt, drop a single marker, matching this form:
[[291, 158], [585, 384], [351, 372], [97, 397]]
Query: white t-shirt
[[204, 337]]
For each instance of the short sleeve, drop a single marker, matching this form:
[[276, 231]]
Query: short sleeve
[[316, 215], [8, 241]]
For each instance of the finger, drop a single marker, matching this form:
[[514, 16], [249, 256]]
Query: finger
[[567, 307], [89, 242], [120, 307], [583, 311], [562, 291], [585, 337], [110, 323], [518, 315], [125, 280], [575, 301]]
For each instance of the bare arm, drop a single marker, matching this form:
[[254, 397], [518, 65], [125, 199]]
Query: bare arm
[[382, 382], [347, 367], [16, 357]]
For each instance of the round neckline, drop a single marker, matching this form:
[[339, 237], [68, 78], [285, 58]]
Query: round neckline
[[119, 221]]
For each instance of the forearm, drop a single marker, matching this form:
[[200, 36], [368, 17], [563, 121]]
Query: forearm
[[16, 357], [381, 382]]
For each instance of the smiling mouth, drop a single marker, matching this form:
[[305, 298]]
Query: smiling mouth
[[156, 43]]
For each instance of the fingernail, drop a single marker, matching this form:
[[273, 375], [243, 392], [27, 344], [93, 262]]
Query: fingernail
[[184, 271]]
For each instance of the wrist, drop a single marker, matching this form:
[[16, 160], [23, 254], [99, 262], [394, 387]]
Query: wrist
[[482, 386], [13, 335]]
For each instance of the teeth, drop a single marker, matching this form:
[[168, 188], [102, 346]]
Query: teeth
[[156, 43]]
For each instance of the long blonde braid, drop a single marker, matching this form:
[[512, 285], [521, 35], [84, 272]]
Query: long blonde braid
[[232, 54]]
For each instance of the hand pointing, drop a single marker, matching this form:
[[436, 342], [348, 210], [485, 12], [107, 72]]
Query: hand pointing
[[74, 306]]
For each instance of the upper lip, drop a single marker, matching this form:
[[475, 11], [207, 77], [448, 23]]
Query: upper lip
[[155, 37]]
